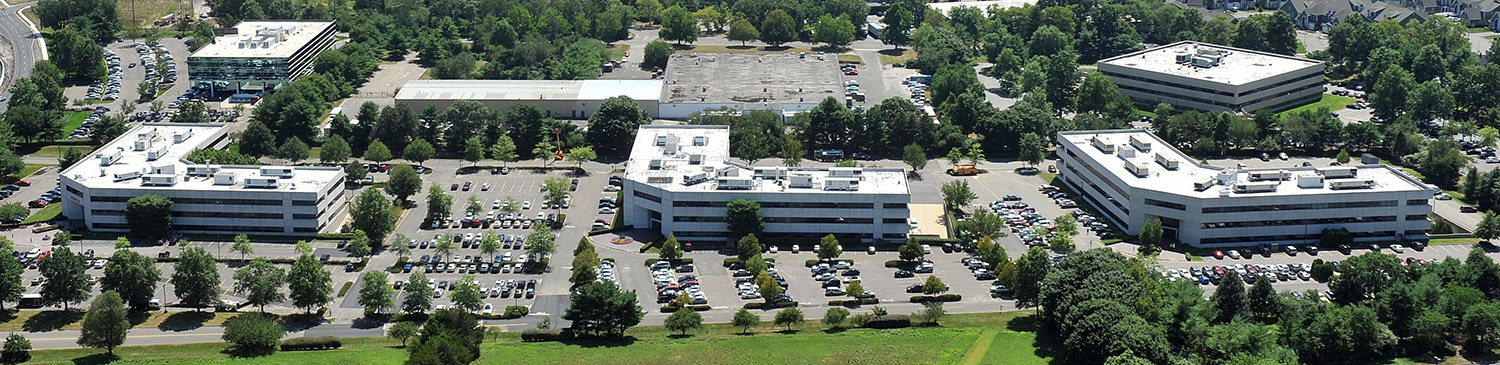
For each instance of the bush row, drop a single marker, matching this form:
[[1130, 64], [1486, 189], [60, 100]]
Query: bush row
[[670, 308], [770, 306], [810, 263], [853, 302], [334, 236], [936, 298], [889, 321], [311, 343], [511, 312], [539, 335], [345, 289], [900, 263]]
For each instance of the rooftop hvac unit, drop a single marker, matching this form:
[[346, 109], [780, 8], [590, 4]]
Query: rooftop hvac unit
[[1184, 57], [695, 159], [158, 180], [735, 184], [1338, 172], [800, 181], [661, 140], [841, 185], [1126, 152], [1140, 144], [1256, 187], [845, 171], [700, 140], [1204, 183], [142, 143], [1102, 145], [277, 171], [182, 135], [157, 152], [770, 172], [225, 178], [164, 169], [1168, 163], [127, 176], [1351, 184], [1139, 169], [694, 179], [1270, 175], [202, 170], [109, 158], [147, 134], [262, 182], [656, 164], [728, 171], [1310, 181]]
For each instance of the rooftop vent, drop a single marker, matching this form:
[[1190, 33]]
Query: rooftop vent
[[700, 141]]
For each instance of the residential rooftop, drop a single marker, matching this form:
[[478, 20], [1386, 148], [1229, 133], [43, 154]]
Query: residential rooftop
[[264, 39], [1144, 161], [686, 158], [1233, 66], [529, 89], [152, 156]]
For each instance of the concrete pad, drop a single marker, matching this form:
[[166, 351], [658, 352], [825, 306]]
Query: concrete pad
[[929, 220]]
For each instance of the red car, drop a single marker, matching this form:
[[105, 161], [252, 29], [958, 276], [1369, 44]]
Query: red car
[[37, 204], [1219, 255], [851, 72], [23, 183]]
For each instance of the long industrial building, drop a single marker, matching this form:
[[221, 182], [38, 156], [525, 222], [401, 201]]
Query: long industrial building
[[206, 198], [1132, 176], [679, 180], [564, 99], [1201, 76], [261, 55]]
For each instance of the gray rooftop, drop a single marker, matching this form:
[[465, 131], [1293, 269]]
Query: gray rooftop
[[1237, 66], [264, 39], [529, 89], [752, 78], [152, 156], [685, 158]]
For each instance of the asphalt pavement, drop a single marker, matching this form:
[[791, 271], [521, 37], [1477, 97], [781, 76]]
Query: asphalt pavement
[[24, 42]]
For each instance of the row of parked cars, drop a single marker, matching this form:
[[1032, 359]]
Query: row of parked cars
[[148, 61], [1205, 275], [503, 288], [82, 132], [669, 286], [110, 88], [49, 197]]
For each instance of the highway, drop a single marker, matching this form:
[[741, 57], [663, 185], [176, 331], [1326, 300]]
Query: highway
[[24, 43]]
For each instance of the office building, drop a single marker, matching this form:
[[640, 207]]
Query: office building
[[206, 198], [260, 55], [680, 181], [1201, 76], [1132, 176]]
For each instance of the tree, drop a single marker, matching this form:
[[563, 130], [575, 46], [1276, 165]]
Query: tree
[[335, 150], [419, 151], [403, 331], [466, 295], [489, 244], [302, 248], [744, 320], [1488, 135], [601, 308], [769, 287], [898, 23], [13, 212], [257, 140], [1479, 326], [404, 182], [69, 157], [293, 150], [443, 248], [504, 149], [910, 251], [835, 317], [956, 194], [449, 337], [856, 288], [828, 248], [657, 53], [683, 320], [541, 241], [149, 216], [744, 217], [242, 245], [777, 28], [11, 286], [376, 293], [617, 120], [788, 317], [1151, 235], [742, 31], [1230, 301], [914, 156], [1032, 149], [309, 284], [933, 285], [1388, 96], [195, 278], [354, 172], [678, 25], [671, 250], [1263, 302], [253, 333], [991, 253], [474, 149], [1031, 268], [748, 246], [372, 213], [66, 282], [1489, 227], [131, 275], [418, 295], [791, 152], [106, 323], [17, 349], [377, 152], [261, 282], [931, 313], [834, 31], [581, 155]]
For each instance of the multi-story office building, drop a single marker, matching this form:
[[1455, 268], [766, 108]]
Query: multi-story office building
[[260, 55], [1204, 76], [680, 181], [1131, 176], [206, 198]]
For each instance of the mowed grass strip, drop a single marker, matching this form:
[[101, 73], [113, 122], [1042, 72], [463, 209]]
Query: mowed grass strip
[[808, 346]]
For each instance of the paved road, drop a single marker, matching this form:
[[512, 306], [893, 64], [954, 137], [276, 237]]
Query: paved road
[[24, 44]]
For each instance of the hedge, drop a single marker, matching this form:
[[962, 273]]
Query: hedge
[[853, 302], [899, 263], [810, 263], [540, 335], [673, 308], [334, 236], [311, 343], [889, 321], [345, 289], [680, 261], [770, 306], [936, 298]]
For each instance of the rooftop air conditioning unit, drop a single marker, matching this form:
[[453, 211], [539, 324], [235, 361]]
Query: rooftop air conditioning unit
[[661, 140], [1351, 184], [127, 176], [158, 180], [157, 152], [844, 171], [225, 178], [262, 183], [1204, 183], [700, 140], [109, 158], [694, 179], [1166, 162], [1256, 187], [277, 171], [1338, 172], [656, 164], [1102, 145], [1139, 169], [695, 159], [1140, 144], [1270, 175], [841, 185], [1310, 181], [182, 136], [202, 170], [735, 184], [803, 181]]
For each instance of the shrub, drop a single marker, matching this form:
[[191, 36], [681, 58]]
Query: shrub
[[860, 320], [345, 289], [253, 333], [311, 343], [730, 261], [936, 298], [540, 335], [853, 302], [889, 321], [670, 308], [770, 306], [516, 311]]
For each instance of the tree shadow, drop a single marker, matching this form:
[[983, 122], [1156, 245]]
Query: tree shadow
[[99, 358], [789, 332], [914, 175], [896, 52], [138, 317], [302, 321], [185, 321], [370, 321], [237, 352], [602, 341], [835, 330], [744, 334], [1031, 323], [678, 336], [52, 320]]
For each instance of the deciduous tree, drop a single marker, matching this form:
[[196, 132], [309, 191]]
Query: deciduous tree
[[106, 324], [132, 276]]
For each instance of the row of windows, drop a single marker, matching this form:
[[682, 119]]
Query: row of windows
[[794, 205], [1090, 197], [209, 201], [184, 227], [1416, 217], [1298, 222], [1306, 206], [820, 220], [1416, 202], [1299, 237], [1086, 165], [650, 197], [1160, 92], [1091, 184], [195, 214], [1165, 204]]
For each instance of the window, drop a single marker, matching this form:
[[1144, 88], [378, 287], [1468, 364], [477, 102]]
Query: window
[[1308, 206], [895, 205], [1164, 204], [650, 197]]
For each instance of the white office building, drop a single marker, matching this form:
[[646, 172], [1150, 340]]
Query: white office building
[[206, 198], [261, 55], [680, 180], [1132, 176], [1202, 76]]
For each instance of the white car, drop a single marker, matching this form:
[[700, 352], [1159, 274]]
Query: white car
[[774, 249], [796, 249], [526, 204], [926, 249], [1398, 248], [496, 205], [488, 308]]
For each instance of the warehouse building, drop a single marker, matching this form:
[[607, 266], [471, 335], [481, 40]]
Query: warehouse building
[[680, 181], [1132, 176], [563, 99], [1201, 76], [206, 198], [260, 55]]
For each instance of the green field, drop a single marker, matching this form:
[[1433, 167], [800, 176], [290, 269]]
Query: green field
[[57, 150], [1330, 101], [953, 343], [44, 215], [72, 121]]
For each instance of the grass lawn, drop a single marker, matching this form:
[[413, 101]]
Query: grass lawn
[[72, 121], [1453, 241], [851, 58], [1330, 101], [1476, 29], [618, 50], [375, 350], [45, 214], [57, 151], [29, 169], [1047, 176], [146, 11], [1485, 37], [892, 56], [30, 14], [313, 153], [52, 320]]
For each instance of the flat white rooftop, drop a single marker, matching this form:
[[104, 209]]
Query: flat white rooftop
[[1236, 66], [529, 89], [982, 5], [671, 156], [1185, 178], [164, 156], [264, 39]]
